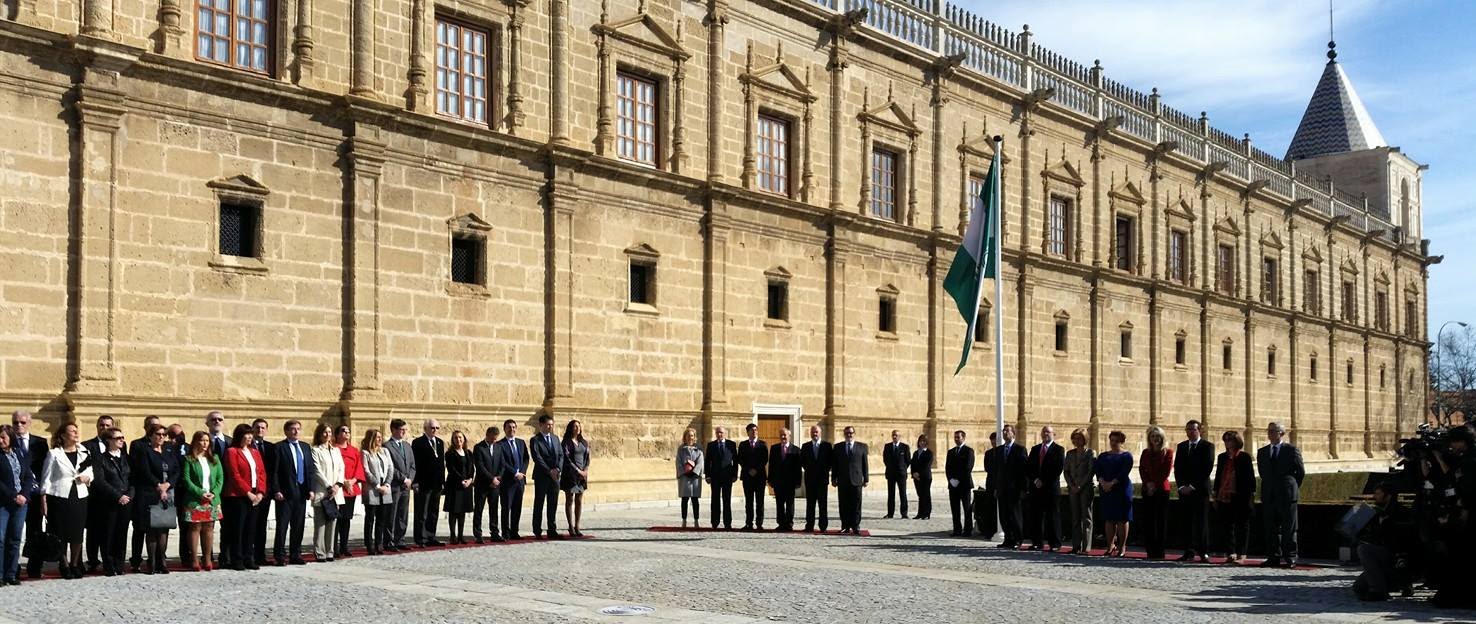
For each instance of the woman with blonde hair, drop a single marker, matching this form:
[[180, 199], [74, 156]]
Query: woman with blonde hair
[[379, 501], [1078, 472], [1154, 467], [1114, 470], [689, 475]]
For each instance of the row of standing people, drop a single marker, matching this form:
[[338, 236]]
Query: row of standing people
[[92, 491]]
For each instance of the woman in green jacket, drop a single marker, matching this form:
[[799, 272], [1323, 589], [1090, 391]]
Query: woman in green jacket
[[202, 479]]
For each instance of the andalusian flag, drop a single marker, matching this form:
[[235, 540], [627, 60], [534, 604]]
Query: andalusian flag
[[978, 256]]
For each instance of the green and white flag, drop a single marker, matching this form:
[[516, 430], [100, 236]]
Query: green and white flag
[[978, 256]]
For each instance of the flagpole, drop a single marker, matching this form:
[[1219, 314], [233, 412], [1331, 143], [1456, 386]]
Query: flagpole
[[999, 308]]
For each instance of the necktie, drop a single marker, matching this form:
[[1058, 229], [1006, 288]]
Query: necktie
[[1042, 454], [815, 449], [297, 460], [783, 451], [1274, 449]]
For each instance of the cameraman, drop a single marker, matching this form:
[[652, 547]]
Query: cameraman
[[1383, 547], [1454, 498]]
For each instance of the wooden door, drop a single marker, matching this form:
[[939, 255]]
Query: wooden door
[[769, 426]]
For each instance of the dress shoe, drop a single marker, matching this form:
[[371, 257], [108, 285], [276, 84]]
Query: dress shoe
[[1187, 557], [164, 569], [298, 562], [497, 538], [887, 517], [13, 581], [1007, 545], [956, 534], [479, 540], [1204, 558], [1271, 563], [1289, 564], [1035, 547], [435, 543], [249, 566]]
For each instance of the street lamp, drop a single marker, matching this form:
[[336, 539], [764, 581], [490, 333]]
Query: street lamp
[[1440, 395]]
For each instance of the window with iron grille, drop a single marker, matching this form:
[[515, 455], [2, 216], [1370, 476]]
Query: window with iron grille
[[771, 150], [1270, 281], [1178, 256], [235, 33], [461, 71], [1312, 292], [1350, 302], [1225, 269], [466, 260], [635, 119], [887, 314], [1058, 227], [1124, 247], [883, 184], [1381, 310], [239, 229], [642, 282], [778, 301]]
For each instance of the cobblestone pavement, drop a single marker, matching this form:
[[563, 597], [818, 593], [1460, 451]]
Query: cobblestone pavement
[[907, 570]]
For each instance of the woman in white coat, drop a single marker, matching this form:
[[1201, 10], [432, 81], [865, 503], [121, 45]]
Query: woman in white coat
[[379, 501], [327, 491], [65, 475]]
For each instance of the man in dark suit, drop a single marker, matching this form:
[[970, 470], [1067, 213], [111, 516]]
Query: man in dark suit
[[430, 478], [784, 477], [987, 511], [140, 521], [959, 469], [1013, 477], [720, 470], [488, 463], [896, 457], [850, 475], [1281, 472], [1194, 460], [96, 523], [816, 459], [548, 459], [514, 478], [753, 460], [30, 451], [291, 485], [1043, 469], [259, 442]]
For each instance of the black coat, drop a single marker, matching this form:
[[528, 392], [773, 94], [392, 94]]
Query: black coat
[[112, 479], [488, 461], [513, 456], [27, 483], [268, 457], [1245, 479], [753, 458], [959, 464], [36, 450], [1193, 468], [283, 476], [430, 462], [851, 468], [922, 465], [896, 457], [991, 469], [1281, 478], [816, 464], [151, 469], [1048, 471], [1013, 470], [784, 472], [720, 466]]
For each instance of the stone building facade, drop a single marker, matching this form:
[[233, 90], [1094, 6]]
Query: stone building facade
[[658, 214]]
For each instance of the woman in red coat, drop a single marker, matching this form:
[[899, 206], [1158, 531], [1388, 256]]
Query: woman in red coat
[[245, 489], [353, 479], [1154, 466]]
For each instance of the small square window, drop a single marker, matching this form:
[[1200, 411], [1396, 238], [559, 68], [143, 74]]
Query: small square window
[[1226, 357], [239, 223], [778, 301], [1061, 336], [642, 283], [466, 260], [1180, 348], [887, 315], [1125, 344]]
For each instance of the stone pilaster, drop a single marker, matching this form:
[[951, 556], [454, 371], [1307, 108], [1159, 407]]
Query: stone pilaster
[[302, 45], [417, 94], [364, 153], [361, 66], [715, 229], [1025, 290], [838, 249], [515, 115], [558, 132], [716, 22], [169, 37], [561, 199]]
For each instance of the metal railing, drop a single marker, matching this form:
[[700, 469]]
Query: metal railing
[[942, 28]]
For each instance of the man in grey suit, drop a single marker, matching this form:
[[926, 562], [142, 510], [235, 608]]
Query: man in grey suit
[[548, 458], [404, 475], [850, 476], [1281, 484], [489, 476]]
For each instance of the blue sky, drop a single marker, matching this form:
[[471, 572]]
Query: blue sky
[[1252, 64]]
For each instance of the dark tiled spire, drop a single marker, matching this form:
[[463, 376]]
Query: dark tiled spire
[[1336, 120]]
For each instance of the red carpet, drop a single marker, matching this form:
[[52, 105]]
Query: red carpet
[[51, 573], [699, 529]]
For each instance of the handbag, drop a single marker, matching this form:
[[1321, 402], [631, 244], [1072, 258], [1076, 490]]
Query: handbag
[[330, 509], [162, 516]]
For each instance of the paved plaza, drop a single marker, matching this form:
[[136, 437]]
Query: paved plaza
[[908, 570]]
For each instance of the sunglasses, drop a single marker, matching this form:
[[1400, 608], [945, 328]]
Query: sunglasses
[[117, 438]]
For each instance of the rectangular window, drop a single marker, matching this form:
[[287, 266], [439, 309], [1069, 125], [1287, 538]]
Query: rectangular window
[[1180, 348], [771, 150], [1312, 292], [1125, 344], [1350, 302], [635, 119], [1124, 250], [1381, 310], [883, 184], [461, 71], [886, 321], [1226, 354], [235, 33], [1381, 378], [642, 283], [1225, 269], [1058, 227], [1178, 256], [778, 308], [976, 193], [1270, 281], [1350, 372], [1411, 324], [239, 225], [982, 326], [466, 259], [1061, 336], [1271, 363], [1313, 368]]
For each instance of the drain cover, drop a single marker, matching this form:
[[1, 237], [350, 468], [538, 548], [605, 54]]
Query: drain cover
[[627, 610]]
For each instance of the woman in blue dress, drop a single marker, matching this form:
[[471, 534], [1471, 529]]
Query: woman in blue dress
[[1114, 470]]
